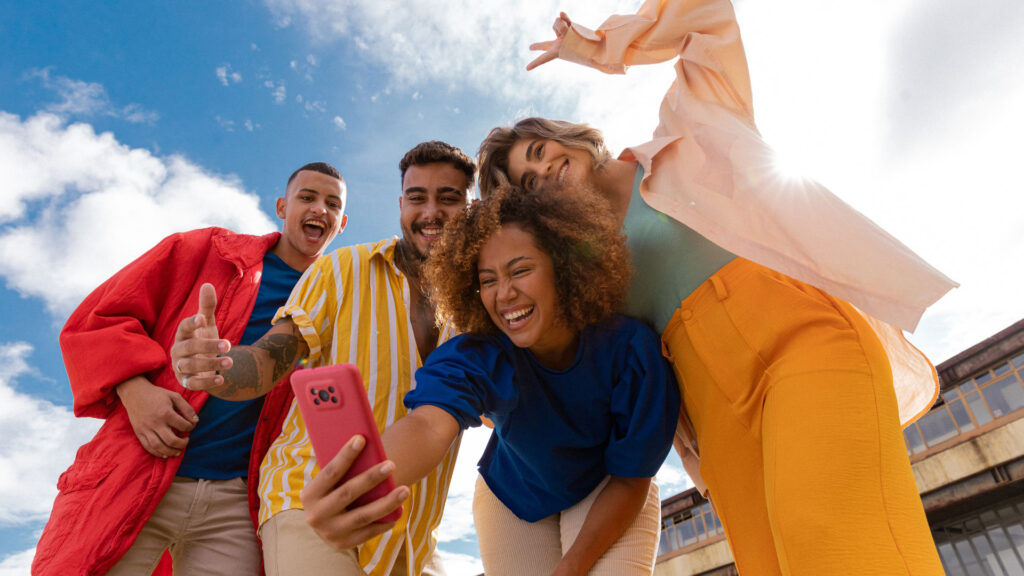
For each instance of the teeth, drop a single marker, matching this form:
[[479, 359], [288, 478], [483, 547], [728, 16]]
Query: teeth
[[561, 173], [517, 314], [316, 223]]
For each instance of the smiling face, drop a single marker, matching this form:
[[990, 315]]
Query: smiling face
[[534, 162], [431, 194], [312, 211], [517, 288]]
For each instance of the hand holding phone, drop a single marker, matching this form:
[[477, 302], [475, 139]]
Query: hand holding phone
[[334, 406]]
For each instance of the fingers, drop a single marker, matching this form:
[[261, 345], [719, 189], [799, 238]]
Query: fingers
[[184, 417], [154, 444], [542, 59], [546, 45], [208, 302], [331, 474], [562, 24]]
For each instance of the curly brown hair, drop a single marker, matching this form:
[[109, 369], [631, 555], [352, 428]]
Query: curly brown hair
[[574, 227]]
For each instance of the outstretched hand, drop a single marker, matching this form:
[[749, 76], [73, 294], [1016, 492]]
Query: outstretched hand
[[551, 47], [327, 502], [194, 355]]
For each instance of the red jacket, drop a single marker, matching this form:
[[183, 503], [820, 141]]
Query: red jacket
[[122, 329]]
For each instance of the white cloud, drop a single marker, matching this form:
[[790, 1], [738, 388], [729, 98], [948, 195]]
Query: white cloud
[[40, 440], [226, 124], [87, 99], [456, 564], [277, 90], [457, 523], [96, 205], [227, 76], [250, 125], [339, 123], [18, 564]]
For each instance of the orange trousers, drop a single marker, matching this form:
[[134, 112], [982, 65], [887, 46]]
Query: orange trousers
[[791, 399]]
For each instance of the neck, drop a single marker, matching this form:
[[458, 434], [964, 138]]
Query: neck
[[560, 356], [292, 258], [408, 261], [614, 180]]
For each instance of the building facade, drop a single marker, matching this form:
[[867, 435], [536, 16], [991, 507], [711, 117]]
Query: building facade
[[967, 454]]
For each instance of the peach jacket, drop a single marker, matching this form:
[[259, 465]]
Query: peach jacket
[[708, 167]]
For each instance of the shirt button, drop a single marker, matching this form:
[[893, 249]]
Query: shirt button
[[687, 313]]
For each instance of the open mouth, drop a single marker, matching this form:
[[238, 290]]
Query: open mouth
[[431, 232], [515, 319], [562, 172], [314, 230]]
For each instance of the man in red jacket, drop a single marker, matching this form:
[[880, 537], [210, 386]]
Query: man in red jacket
[[168, 469]]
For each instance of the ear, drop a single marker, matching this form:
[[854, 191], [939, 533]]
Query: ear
[[280, 204], [344, 222], [400, 203]]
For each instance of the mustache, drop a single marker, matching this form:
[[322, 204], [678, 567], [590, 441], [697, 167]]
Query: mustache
[[419, 226]]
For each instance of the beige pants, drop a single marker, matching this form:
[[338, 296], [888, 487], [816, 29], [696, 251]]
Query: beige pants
[[511, 546], [292, 547], [205, 524]]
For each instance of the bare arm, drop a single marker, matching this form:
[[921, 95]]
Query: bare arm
[[418, 442], [156, 416], [202, 361], [613, 511]]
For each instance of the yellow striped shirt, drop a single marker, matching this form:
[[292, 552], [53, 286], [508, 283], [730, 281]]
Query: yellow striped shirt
[[351, 306]]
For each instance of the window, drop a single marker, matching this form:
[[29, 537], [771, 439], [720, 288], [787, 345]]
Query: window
[[973, 403], [989, 542]]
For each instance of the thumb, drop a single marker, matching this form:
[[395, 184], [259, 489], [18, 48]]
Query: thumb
[[208, 302]]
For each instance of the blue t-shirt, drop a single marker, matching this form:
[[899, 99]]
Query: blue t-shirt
[[557, 434], [220, 444]]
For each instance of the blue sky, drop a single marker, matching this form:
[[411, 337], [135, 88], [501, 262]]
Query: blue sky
[[122, 122]]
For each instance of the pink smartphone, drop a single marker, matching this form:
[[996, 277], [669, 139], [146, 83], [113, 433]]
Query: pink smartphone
[[333, 403]]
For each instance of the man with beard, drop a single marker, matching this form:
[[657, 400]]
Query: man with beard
[[355, 305]]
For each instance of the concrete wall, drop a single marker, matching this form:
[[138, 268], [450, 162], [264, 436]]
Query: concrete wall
[[976, 455], [696, 561]]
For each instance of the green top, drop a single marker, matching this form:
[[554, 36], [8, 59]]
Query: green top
[[670, 260]]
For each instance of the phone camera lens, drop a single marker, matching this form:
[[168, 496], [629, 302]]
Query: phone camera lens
[[324, 395], [330, 389], [334, 399]]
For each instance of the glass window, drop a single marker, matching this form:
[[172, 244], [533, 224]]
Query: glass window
[[1018, 361], [937, 426], [981, 414], [914, 442], [663, 543], [1002, 369], [951, 394], [968, 386], [685, 533], [949, 560], [981, 380], [963, 420], [1004, 396], [1007, 557], [1016, 533], [986, 554], [967, 558]]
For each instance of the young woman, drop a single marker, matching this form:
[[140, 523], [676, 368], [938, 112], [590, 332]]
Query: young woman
[[575, 392], [775, 300]]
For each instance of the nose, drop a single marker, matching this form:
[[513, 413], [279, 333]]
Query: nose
[[432, 210], [506, 290]]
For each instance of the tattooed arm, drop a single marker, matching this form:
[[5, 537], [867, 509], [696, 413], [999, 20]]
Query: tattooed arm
[[202, 361]]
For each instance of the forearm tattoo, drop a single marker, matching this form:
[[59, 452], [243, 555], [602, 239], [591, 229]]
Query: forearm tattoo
[[258, 368]]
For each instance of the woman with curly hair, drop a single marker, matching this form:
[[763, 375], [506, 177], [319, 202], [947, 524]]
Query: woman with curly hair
[[575, 392], [780, 307]]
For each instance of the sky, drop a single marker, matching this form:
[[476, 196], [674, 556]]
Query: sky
[[122, 122]]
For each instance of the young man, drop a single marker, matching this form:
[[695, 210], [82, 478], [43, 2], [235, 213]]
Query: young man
[[363, 305], [167, 470]]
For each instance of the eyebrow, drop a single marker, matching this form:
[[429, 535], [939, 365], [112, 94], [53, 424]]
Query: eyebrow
[[441, 190], [317, 192], [510, 264], [529, 154]]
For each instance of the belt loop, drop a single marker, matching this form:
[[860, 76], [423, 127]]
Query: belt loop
[[665, 352], [720, 290]]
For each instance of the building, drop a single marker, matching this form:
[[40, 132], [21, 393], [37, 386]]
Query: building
[[967, 454]]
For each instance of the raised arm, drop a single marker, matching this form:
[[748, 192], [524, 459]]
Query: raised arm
[[202, 361], [702, 33], [415, 445], [418, 442]]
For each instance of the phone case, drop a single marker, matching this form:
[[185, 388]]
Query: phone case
[[333, 403]]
